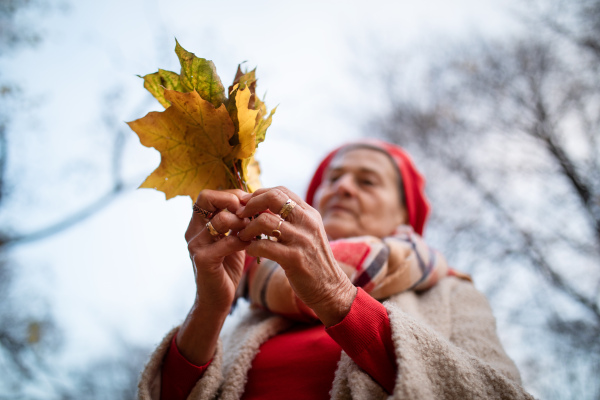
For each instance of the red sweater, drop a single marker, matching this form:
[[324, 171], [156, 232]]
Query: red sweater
[[300, 363]]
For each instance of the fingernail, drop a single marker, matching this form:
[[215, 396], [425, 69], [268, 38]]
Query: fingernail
[[240, 211], [240, 234]]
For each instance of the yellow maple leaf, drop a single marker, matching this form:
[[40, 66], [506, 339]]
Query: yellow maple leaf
[[203, 147], [251, 174], [262, 124], [193, 139], [246, 122]]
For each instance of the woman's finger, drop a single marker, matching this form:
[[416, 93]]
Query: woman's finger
[[221, 223], [270, 225], [215, 200], [225, 246], [270, 199], [210, 258], [212, 201], [214, 252], [271, 250], [225, 221]]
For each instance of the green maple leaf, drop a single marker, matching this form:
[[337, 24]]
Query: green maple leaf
[[200, 75]]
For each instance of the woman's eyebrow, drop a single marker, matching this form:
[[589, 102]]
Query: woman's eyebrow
[[363, 170], [369, 170]]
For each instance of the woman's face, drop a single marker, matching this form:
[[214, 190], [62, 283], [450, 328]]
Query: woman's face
[[360, 196]]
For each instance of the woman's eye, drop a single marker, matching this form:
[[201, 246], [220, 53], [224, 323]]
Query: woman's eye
[[366, 182]]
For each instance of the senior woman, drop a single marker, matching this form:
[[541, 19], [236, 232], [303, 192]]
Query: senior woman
[[348, 302]]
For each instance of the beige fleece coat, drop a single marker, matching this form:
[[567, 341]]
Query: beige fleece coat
[[445, 342]]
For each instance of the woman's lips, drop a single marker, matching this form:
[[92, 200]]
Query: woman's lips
[[340, 208]]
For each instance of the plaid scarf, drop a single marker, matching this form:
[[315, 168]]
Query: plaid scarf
[[381, 267]]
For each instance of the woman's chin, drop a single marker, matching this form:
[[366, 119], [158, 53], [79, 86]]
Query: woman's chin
[[338, 229]]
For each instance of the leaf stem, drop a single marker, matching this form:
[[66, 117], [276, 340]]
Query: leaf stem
[[242, 183], [231, 177]]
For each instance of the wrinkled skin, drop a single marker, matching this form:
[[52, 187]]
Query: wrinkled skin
[[359, 196]]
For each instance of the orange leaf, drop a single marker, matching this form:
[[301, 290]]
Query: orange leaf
[[193, 139]]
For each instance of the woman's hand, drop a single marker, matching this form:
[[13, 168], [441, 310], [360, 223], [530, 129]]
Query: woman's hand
[[302, 250], [218, 265], [218, 262]]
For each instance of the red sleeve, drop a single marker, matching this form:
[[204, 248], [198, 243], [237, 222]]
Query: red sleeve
[[365, 335], [178, 375]]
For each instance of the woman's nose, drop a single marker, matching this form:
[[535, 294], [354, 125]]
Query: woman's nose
[[345, 185]]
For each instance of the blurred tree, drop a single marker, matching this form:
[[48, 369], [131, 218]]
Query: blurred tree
[[29, 336], [25, 335], [509, 135]]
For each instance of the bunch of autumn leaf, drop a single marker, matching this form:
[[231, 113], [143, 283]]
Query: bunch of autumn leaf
[[206, 139]]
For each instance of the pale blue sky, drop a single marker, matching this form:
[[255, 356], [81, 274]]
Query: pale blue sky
[[126, 271]]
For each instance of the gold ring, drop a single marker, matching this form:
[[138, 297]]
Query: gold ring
[[287, 208], [212, 230], [205, 213], [276, 232]]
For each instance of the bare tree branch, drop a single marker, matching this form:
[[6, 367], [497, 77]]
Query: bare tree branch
[[543, 130], [529, 245], [514, 127], [65, 223], [3, 156]]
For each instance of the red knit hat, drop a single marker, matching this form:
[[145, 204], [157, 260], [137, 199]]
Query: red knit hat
[[417, 205]]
